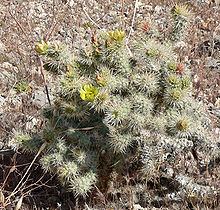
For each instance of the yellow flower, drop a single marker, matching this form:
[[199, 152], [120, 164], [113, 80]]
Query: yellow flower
[[41, 47], [88, 92], [117, 35]]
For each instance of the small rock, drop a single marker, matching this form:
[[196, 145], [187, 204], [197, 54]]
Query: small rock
[[158, 9], [137, 207], [2, 47]]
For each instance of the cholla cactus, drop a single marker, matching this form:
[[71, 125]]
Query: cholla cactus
[[59, 58], [181, 16], [112, 109]]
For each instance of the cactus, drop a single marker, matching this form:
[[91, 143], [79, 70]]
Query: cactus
[[181, 17], [113, 110], [22, 87]]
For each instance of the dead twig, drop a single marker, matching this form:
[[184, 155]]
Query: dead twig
[[44, 79], [20, 26], [25, 174], [54, 23], [87, 15], [133, 20]]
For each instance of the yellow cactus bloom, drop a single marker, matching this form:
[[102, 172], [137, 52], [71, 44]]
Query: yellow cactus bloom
[[117, 35], [41, 47], [88, 92]]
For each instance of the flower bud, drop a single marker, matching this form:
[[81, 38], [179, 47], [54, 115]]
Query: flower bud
[[41, 47]]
